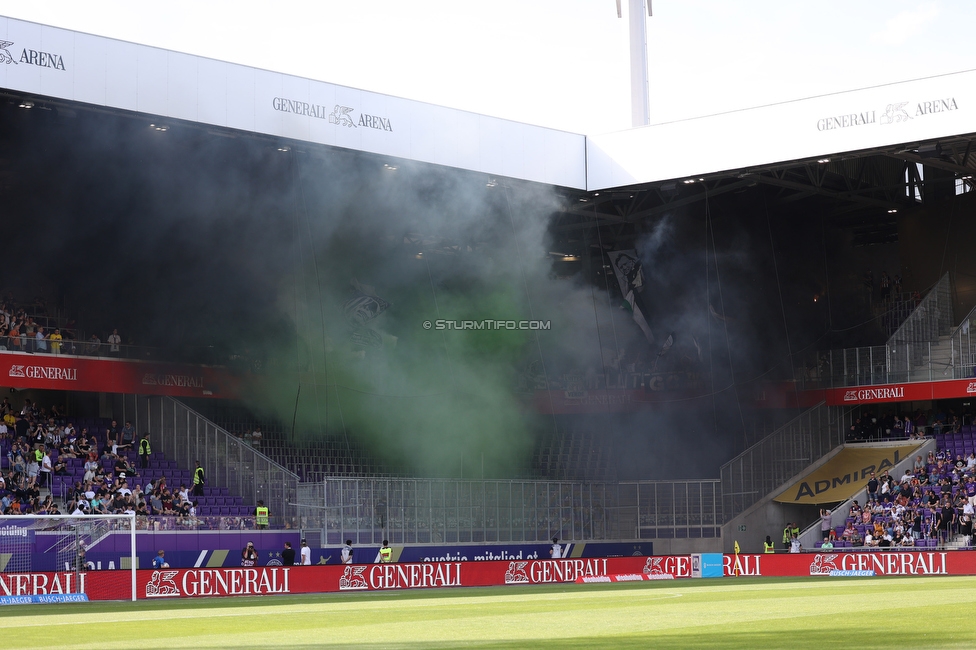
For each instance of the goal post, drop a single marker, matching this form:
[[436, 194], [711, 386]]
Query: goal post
[[43, 555]]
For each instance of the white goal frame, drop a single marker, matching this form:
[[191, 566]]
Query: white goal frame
[[44, 522]]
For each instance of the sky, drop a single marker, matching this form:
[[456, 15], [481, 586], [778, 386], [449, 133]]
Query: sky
[[557, 63]]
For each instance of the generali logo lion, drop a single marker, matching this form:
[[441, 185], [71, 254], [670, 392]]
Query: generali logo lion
[[653, 566], [822, 565], [161, 585], [353, 578], [516, 574]]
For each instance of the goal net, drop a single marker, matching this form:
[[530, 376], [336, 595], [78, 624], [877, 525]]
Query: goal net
[[43, 555]]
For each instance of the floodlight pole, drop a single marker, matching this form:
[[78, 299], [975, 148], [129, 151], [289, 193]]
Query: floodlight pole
[[639, 94]]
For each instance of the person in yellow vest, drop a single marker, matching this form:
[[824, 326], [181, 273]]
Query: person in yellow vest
[[198, 480], [768, 546], [261, 514], [386, 553], [787, 534], [144, 450]]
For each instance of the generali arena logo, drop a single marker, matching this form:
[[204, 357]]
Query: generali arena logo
[[339, 115], [31, 57], [43, 372]]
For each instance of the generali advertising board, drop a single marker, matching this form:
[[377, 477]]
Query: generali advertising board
[[271, 580], [63, 372]]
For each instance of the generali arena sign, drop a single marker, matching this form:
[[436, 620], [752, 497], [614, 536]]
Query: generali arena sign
[[269, 581], [62, 372], [909, 392]]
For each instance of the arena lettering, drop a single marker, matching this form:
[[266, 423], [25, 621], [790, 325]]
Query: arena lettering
[[410, 576], [235, 582], [937, 106], [34, 584], [375, 122], [566, 570], [42, 59]]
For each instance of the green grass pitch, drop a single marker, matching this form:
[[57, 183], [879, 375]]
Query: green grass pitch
[[761, 613]]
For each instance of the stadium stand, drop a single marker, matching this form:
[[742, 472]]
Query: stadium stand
[[88, 477]]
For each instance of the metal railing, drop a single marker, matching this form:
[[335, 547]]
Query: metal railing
[[773, 461], [923, 348], [670, 509], [962, 355], [186, 436], [436, 511]]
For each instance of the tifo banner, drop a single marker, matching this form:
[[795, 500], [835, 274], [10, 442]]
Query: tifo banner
[[844, 474], [630, 276], [60, 372]]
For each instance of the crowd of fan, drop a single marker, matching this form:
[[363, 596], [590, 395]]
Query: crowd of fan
[[913, 426], [38, 435], [933, 500], [20, 332]]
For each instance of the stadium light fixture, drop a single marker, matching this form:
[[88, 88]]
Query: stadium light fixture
[[284, 147], [491, 183], [823, 161], [27, 104], [159, 127], [391, 168], [892, 210]]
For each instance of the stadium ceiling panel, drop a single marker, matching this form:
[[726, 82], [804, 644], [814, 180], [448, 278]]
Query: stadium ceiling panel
[[39, 61], [853, 153]]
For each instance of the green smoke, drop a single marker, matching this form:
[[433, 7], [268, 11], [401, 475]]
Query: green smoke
[[427, 402]]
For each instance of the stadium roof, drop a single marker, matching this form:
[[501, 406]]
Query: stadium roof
[[852, 151]]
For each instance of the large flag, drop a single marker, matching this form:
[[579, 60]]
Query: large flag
[[363, 306], [630, 277]]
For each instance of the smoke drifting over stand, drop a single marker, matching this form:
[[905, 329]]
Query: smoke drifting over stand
[[318, 268]]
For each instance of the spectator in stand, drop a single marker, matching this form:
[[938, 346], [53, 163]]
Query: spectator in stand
[[41, 340], [849, 531], [825, 517], [94, 345], [256, 437], [47, 468], [56, 339], [127, 437], [873, 488], [919, 465], [114, 343]]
